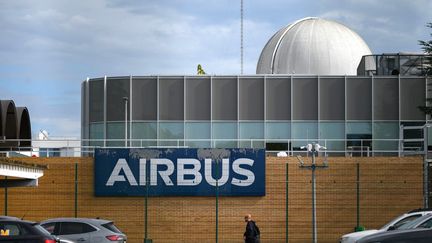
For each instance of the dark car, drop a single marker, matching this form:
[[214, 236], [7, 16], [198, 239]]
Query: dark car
[[418, 235], [14, 230]]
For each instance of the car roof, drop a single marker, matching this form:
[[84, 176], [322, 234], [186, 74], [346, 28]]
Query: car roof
[[81, 220], [9, 218], [13, 219], [420, 210], [391, 233]]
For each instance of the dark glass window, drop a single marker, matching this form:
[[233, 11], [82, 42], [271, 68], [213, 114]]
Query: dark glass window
[[144, 98], [112, 227], [224, 98], [198, 98], [278, 102], [117, 88], [251, 100], [305, 107], [50, 227], [96, 100], [13, 229], [70, 228], [171, 98]]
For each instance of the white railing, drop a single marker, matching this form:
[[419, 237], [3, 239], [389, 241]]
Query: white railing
[[85, 147]]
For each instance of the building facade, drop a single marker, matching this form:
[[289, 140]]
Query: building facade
[[251, 111]]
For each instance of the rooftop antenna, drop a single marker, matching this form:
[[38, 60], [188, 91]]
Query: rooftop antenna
[[241, 37]]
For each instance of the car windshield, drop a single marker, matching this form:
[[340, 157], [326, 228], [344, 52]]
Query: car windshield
[[399, 221], [415, 222]]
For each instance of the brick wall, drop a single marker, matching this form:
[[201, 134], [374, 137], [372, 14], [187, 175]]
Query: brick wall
[[389, 186]]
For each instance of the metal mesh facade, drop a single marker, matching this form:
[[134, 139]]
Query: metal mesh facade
[[251, 111]]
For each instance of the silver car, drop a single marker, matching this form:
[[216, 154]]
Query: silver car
[[84, 230]]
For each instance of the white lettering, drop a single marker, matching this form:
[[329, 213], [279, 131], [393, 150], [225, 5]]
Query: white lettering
[[250, 176], [163, 174], [181, 172], [142, 169], [208, 172], [115, 175]]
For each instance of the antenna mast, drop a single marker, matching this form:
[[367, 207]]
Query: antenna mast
[[241, 37]]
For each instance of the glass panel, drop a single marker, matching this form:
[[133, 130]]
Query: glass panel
[[224, 134], [198, 130], [386, 130], [359, 128], [413, 134], [388, 65], [386, 99], [251, 130], [332, 135], [413, 95], [251, 100], [115, 134], [359, 138], [171, 98], [144, 98], [278, 130], [117, 88], [305, 98], [144, 130], [359, 98], [96, 100], [96, 132], [278, 98], [173, 131], [303, 133], [84, 114], [198, 98], [224, 98], [332, 98]]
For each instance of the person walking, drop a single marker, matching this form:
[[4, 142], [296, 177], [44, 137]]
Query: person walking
[[252, 233]]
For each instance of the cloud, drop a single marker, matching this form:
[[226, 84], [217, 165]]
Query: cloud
[[49, 47], [387, 26]]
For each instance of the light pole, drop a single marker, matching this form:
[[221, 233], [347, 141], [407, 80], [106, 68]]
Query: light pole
[[283, 154], [313, 148], [126, 99]]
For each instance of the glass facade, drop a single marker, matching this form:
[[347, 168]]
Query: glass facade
[[341, 112]]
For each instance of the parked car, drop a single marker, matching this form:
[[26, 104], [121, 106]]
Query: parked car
[[424, 221], [84, 230], [392, 225], [417, 235], [22, 231]]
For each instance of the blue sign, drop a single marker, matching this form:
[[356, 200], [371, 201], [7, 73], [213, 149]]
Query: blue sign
[[179, 172]]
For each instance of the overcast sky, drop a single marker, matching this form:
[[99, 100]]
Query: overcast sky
[[48, 47]]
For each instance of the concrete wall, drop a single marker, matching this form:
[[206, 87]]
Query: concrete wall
[[389, 186]]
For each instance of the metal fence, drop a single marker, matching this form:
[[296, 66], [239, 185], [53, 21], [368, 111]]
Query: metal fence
[[335, 147], [353, 192]]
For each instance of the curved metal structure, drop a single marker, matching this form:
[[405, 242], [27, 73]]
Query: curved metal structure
[[24, 127], [14, 125], [313, 46]]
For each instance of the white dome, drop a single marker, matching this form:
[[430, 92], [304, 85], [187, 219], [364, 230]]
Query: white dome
[[313, 46]]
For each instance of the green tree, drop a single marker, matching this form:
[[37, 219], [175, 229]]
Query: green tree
[[426, 46]]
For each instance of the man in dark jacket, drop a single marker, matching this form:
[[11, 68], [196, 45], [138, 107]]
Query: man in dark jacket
[[250, 235]]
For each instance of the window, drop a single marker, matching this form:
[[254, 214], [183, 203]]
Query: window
[[427, 224], [70, 228], [49, 227], [112, 228], [406, 220], [12, 229]]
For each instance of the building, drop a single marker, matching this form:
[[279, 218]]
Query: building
[[15, 127], [302, 93]]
